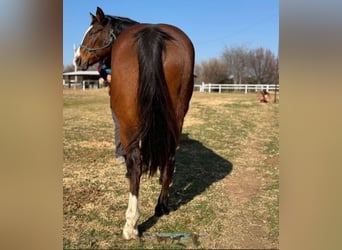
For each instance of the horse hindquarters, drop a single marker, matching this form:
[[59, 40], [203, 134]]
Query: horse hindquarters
[[158, 129], [144, 103]]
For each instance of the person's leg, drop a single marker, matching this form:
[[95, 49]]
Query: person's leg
[[119, 151]]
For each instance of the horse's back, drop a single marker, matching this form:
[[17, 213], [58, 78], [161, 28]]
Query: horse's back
[[178, 63]]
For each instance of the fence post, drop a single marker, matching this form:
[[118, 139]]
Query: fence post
[[245, 88], [220, 88], [209, 90]]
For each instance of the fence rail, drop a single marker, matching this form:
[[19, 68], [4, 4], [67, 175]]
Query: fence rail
[[209, 87], [91, 84]]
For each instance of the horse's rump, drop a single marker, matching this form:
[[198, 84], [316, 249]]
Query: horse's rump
[[152, 82]]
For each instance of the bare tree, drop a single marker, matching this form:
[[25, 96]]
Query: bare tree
[[263, 65], [236, 59], [198, 74], [68, 68], [212, 71], [275, 79]]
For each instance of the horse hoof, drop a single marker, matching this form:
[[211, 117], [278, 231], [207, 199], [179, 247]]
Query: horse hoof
[[127, 237], [130, 233]]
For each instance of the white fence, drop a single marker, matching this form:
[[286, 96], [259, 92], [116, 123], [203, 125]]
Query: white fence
[[91, 84], [209, 87]]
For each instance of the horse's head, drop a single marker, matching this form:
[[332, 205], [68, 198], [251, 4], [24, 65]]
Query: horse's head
[[97, 41]]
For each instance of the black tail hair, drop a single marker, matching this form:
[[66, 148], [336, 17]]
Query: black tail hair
[[158, 131]]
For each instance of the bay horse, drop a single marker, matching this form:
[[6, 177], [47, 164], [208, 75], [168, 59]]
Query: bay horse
[[151, 87]]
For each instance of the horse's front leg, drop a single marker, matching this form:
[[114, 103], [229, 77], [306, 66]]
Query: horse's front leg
[[130, 230], [165, 178]]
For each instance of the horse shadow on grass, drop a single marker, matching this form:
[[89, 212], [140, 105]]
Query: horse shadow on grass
[[197, 168]]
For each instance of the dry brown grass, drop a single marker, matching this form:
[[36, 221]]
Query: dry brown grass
[[225, 185]]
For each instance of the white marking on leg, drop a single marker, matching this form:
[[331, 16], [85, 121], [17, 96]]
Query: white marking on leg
[[130, 230]]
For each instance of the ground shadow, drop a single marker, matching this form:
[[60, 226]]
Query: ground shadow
[[197, 167]]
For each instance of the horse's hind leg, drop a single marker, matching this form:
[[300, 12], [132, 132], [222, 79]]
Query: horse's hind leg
[[130, 230], [165, 177]]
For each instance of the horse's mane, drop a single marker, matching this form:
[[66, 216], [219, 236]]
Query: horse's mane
[[120, 23], [121, 19]]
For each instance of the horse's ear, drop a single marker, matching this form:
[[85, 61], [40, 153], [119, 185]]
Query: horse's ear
[[93, 18], [99, 14]]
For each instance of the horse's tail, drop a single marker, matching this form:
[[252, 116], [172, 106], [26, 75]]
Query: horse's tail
[[158, 132]]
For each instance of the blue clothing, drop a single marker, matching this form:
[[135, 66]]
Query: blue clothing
[[104, 67]]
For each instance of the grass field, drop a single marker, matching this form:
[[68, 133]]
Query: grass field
[[225, 186]]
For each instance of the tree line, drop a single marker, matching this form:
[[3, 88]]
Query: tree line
[[240, 65]]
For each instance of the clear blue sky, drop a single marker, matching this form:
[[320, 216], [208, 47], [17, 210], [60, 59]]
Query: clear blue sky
[[210, 24]]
